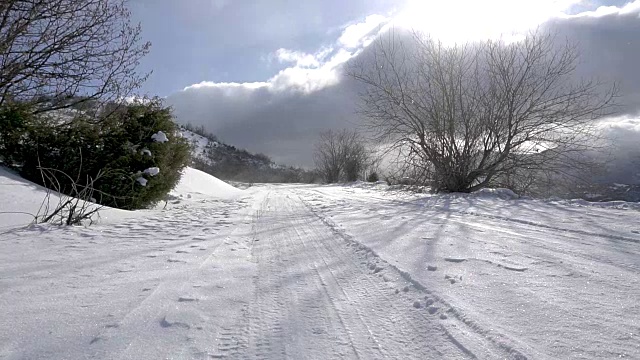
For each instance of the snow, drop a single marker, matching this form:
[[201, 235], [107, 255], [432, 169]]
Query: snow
[[152, 171], [146, 152], [160, 137], [202, 185], [142, 181], [20, 201], [199, 142], [307, 271], [501, 193]]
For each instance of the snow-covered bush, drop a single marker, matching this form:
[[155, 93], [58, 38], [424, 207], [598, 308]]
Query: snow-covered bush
[[133, 142]]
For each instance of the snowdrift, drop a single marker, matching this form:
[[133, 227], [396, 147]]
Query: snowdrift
[[20, 199], [195, 183]]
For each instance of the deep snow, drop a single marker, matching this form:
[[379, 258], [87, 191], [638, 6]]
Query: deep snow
[[321, 272]]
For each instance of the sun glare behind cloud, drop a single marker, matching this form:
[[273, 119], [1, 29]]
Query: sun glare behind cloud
[[468, 20]]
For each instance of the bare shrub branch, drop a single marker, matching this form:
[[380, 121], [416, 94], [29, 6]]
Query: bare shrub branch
[[341, 156]]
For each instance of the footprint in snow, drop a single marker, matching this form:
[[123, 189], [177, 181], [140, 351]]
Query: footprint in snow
[[428, 301], [452, 279], [186, 299], [166, 324], [513, 268], [182, 252]]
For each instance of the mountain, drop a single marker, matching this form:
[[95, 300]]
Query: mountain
[[230, 163]]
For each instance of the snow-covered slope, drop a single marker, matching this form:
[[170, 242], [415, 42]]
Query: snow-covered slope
[[214, 153], [21, 199], [201, 184], [337, 272]]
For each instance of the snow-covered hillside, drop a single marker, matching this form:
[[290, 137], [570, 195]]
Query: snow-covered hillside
[[232, 164], [336, 272], [213, 152]]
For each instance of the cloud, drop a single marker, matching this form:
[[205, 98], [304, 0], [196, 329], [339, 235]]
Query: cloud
[[623, 153], [283, 115], [609, 46], [300, 59], [468, 20], [361, 34], [631, 7]]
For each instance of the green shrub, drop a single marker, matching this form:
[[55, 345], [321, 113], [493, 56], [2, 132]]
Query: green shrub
[[121, 147], [15, 120]]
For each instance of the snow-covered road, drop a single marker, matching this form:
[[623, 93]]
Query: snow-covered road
[[303, 272]]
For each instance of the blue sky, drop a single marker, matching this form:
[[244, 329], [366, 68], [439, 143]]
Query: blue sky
[[231, 40], [267, 75]]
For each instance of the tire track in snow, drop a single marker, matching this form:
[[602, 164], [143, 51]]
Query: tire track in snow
[[292, 316], [469, 333], [441, 209], [315, 294]]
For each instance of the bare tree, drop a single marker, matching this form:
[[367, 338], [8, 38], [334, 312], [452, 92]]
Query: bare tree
[[466, 116], [56, 53], [341, 156]]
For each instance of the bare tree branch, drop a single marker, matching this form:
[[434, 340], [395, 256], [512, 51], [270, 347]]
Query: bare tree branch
[[467, 116], [58, 53]]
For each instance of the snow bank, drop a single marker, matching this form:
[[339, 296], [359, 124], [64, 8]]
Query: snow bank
[[622, 205], [21, 199], [201, 184], [501, 193]]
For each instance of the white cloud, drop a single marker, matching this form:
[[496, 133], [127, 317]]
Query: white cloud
[[629, 8], [231, 86], [625, 122], [361, 34], [300, 59], [308, 72]]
